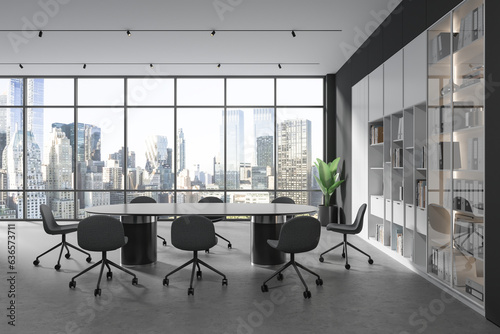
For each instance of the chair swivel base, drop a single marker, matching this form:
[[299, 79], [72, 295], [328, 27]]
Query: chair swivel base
[[109, 275], [63, 244], [162, 238], [344, 245], [229, 245], [279, 275], [196, 265]]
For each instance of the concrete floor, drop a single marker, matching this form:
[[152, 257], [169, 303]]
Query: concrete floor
[[385, 297]]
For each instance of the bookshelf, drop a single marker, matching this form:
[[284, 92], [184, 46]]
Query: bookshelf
[[455, 175]]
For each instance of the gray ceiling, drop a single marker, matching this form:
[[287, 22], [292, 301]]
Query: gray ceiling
[[60, 51]]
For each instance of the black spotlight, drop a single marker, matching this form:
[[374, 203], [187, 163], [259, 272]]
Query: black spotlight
[[212, 33], [293, 33], [21, 66], [84, 66], [218, 65], [40, 33], [279, 66], [151, 65], [128, 33]]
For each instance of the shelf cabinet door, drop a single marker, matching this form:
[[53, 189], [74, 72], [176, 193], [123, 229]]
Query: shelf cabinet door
[[376, 94], [414, 71], [393, 84]]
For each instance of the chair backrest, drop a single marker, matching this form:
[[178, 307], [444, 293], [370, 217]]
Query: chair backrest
[[358, 222], [193, 232], [439, 218], [283, 199], [100, 233], [299, 234], [210, 199], [49, 222], [143, 199]]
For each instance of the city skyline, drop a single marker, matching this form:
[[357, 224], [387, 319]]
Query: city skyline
[[247, 135]]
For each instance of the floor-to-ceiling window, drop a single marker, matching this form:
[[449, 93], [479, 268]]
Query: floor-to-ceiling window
[[79, 142]]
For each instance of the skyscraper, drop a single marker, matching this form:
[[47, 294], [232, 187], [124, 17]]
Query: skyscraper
[[181, 151], [294, 158], [235, 146], [58, 174]]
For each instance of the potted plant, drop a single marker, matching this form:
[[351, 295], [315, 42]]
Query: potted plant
[[328, 179]]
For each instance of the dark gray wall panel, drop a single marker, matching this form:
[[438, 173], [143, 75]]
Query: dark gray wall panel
[[492, 186], [414, 19]]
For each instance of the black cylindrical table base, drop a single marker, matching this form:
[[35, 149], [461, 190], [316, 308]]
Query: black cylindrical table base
[[263, 228], [140, 248]]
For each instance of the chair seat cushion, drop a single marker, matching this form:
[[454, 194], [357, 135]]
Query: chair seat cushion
[[63, 229], [341, 228]]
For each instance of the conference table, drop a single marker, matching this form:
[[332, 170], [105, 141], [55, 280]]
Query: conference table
[[140, 224]]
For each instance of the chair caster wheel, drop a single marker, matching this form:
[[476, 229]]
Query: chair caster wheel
[[321, 259], [109, 275], [165, 282], [370, 261], [229, 246], [343, 255], [264, 288], [164, 243], [198, 274], [72, 284], [190, 291], [36, 263], [319, 281], [224, 281], [135, 281], [57, 267], [88, 259], [348, 266], [280, 277], [307, 294], [67, 255], [97, 292], [207, 251]]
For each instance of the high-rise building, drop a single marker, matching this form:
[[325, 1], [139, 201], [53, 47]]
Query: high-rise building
[[265, 151], [34, 178], [181, 151], [88, 140], [58, 174], [235, 146], [294, 158]]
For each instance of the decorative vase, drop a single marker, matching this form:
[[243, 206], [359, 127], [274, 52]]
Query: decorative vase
[[328, 214]]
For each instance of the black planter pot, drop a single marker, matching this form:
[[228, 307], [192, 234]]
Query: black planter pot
[[328, 214]]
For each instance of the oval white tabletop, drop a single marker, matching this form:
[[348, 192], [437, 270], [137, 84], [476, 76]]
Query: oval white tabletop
[[206, 209]]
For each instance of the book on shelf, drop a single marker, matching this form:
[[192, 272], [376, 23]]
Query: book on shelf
[[421, 191], [377, 134], [400, 129], [397, 157], [468, 196], [471, 27], [474, 288], [380, 233], [441, 262], [399, 243]]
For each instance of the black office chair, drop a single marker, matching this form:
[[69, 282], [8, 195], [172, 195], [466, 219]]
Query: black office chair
[[298, 235], [284, 200], [101, 233], [193, 233], [51, 227], [214, 219], [147, 199], [353, 228]]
